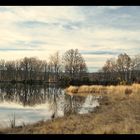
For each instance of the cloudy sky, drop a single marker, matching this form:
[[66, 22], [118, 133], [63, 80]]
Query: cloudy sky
[[99, 32]]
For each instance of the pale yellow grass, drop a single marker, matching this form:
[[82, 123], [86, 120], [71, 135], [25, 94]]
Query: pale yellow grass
[[119, 89]]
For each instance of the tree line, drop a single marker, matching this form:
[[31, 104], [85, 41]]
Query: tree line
[[70, 68], [71, 65], [124, 70]]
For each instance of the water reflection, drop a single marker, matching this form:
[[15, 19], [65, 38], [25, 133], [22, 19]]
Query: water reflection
[[50, 98]]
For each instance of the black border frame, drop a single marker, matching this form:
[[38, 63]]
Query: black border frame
[[69, 3]]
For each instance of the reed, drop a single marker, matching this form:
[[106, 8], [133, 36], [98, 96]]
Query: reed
[[121, 89], [12, 121]]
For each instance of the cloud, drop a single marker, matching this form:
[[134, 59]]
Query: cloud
[[99, 32], [16, 49], [100, 53], [3, 9], [34, 44], [32, 24]]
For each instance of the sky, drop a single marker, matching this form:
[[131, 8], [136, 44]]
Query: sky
[[98, 32]]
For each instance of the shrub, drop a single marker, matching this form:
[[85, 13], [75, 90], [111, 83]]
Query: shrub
[[128, 91], [65, 80], [123, 82]]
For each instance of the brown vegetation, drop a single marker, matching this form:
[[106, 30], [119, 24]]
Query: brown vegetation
[[104, 89], [118, 113]]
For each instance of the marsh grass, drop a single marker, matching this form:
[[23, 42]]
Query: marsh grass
[[118, 113], [12, 120], [119, 89]]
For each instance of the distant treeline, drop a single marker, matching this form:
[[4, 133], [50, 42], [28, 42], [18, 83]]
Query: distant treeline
[[57, 68], [122, 70], [70, 69]]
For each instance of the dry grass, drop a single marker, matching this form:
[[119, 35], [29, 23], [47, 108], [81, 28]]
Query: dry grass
[[118, 113], [121, 89], [73, 89]]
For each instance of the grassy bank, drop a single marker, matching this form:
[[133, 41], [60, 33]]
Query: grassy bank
[[119, 112], [104, 89]]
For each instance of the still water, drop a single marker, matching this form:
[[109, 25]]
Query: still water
[[31, 103]]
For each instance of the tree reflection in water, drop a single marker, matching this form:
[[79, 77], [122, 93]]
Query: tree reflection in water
[[31, 95]]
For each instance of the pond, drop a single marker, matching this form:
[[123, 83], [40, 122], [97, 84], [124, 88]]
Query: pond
[[32, 103]]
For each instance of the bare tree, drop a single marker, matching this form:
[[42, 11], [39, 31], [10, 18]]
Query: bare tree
[[25, 67], [74, 63], [136, 62], [45, 70], [109, 69], [135, 67], [55, 64], [121, 68], [10, 70], [124, 66], [2, 68]]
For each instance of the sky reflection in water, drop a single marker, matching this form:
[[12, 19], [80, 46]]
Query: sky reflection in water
[[31, 103]]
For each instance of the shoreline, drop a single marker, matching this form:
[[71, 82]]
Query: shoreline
[[118, 113]]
